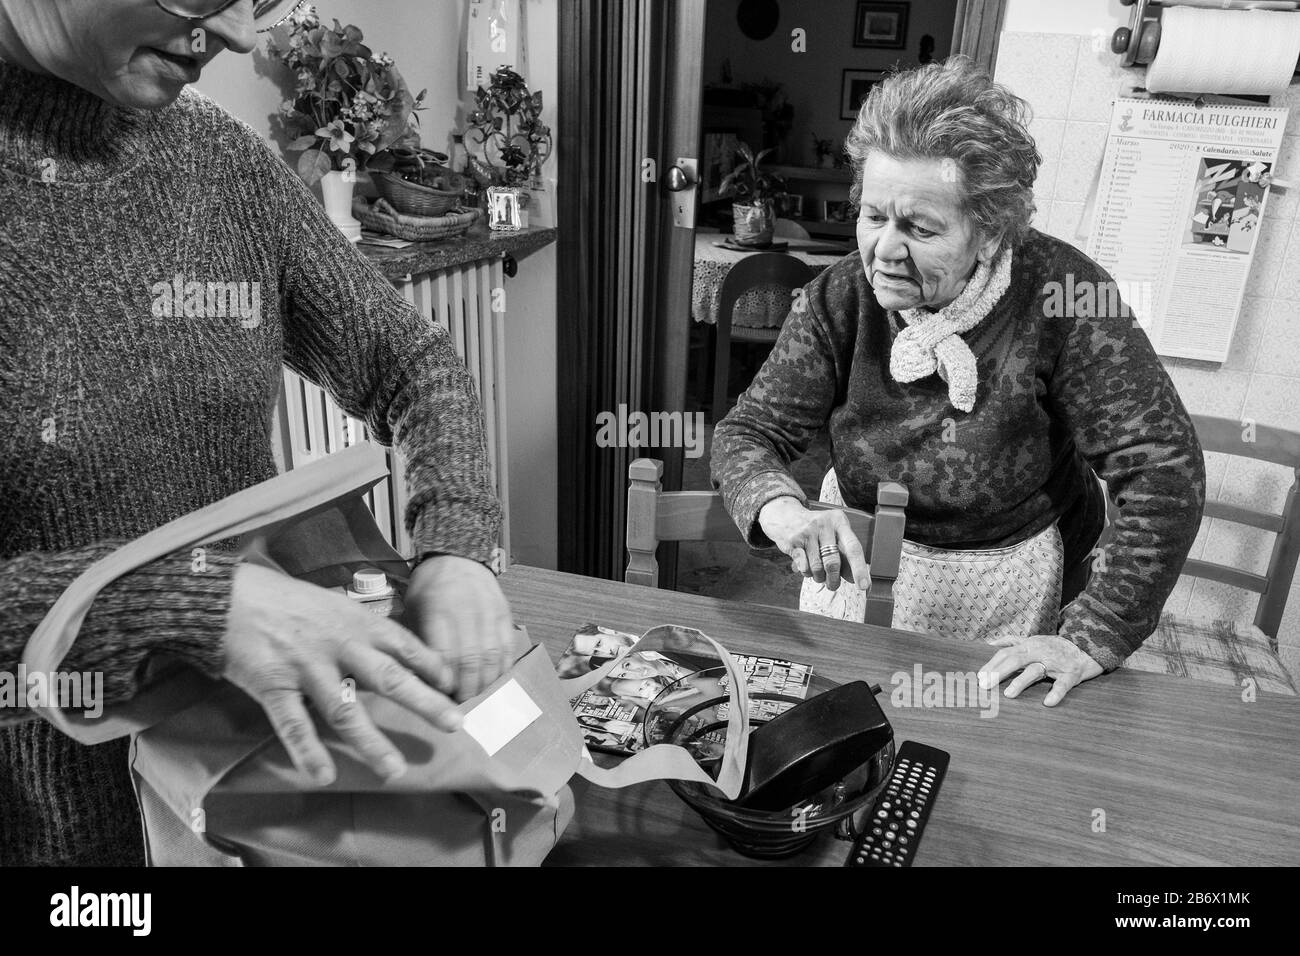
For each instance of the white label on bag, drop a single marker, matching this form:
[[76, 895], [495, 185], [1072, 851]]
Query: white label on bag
[[502, 717]]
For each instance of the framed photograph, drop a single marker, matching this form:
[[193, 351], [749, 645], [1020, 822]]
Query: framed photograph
[[881, 25], [503, 209], [854, 89]]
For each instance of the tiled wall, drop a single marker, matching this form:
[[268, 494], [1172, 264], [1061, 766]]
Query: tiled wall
[[1070, 85]]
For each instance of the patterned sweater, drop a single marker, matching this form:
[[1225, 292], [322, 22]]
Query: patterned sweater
[[1060, 397], [124, 405]]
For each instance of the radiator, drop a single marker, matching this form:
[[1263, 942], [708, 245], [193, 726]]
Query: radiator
[[459, 299]]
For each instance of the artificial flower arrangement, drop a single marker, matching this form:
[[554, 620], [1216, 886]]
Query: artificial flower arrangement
[[350, 105], [507, 126]]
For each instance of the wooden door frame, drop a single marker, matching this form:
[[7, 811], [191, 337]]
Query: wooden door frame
[[976, 29]]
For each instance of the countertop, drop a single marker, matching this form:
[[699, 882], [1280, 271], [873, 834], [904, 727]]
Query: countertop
[[478, 243]]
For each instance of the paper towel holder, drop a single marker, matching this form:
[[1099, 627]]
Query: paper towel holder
[[1138, 42]]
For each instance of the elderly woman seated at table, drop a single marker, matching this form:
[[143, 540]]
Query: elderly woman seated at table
[[944, 357]]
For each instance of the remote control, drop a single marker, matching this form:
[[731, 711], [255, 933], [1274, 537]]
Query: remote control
[[893, 829]]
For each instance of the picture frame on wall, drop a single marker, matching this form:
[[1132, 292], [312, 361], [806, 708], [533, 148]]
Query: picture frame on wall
[[854, 89], [882, 26]]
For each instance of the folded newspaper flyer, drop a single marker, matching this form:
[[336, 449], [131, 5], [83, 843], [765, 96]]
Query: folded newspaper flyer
[[612, 713]]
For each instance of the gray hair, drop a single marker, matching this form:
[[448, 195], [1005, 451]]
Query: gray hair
[[953, 110]]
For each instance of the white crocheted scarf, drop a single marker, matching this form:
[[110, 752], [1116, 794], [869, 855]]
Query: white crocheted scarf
[[932, 341]]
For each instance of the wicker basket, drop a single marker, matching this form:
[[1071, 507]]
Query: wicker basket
[[382, 217], [413, 199]]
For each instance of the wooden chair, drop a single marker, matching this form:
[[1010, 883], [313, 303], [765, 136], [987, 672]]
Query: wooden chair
[[1226, 651], [789, 229], [654, 516], [772, 269]]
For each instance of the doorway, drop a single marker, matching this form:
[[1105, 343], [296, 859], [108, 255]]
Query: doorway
[[784, 79]]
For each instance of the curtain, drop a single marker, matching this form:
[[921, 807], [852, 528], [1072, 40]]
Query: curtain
[[612, 59]]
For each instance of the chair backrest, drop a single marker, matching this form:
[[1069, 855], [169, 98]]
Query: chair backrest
[[761, 269], [654, 516], [1262, 443], [789, 229]]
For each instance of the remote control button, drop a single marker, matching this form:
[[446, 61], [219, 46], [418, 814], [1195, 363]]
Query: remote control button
[[915, 815], [898, 814], [902, 851], [911, 824], [881, 814], [890, 836], [893, 827], [885, 805], [898, 863], [875, 831]]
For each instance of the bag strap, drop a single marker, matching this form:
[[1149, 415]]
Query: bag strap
[[670, 761], [309, 488]]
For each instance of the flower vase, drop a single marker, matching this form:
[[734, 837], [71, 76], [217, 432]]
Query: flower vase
[[337, 188]]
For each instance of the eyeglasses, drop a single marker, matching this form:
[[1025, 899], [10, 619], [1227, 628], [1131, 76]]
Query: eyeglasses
[[267, 14]]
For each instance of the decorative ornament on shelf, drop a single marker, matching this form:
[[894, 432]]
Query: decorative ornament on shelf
[[754, 192], [350, 105], [823, 149], [513, 143]]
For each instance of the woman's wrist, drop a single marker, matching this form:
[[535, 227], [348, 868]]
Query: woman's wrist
[[775, 515]]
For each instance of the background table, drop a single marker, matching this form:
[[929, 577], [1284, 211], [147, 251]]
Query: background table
[[1185, 772], [757, 309]]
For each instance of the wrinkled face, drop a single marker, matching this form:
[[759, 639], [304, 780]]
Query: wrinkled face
[[130, 52], [918, 246]]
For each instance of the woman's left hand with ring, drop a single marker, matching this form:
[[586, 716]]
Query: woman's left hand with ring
[[1045, 656]]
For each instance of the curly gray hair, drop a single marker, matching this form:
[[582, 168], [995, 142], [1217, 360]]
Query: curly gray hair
[[953, 110]]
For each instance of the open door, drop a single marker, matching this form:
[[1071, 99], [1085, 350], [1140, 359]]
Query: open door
[[630, 81]]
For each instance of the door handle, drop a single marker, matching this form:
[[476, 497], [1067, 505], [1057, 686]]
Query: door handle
[[678, 179], [682, 180]]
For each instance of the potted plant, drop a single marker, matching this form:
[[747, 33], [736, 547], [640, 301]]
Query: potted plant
[[753, 191], [507, 129], [349, 105]]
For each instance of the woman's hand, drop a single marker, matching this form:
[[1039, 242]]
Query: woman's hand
[[1044, 656], [457, 607], [286, 640], [817, 542]]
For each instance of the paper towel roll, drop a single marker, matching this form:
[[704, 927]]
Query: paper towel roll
[[1225, 51]]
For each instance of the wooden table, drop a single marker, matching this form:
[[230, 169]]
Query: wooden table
[[1185, 772]]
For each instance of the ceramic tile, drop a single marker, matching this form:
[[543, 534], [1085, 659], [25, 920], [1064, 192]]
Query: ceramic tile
[[1288, 280], [1047, 134], [1290, 98], [1251, 323], [1216, 466], [1063, 220], [1098, 79], [1270, 257], [1206, 392], [1273, 400], [1081, 151], [1221, 602], [1040, 68], [1249, 483], [1288, 635], [1237, 546], [1281, 343]]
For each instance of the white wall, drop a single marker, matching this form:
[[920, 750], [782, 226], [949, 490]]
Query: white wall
[[1064, 16], [426, 39]]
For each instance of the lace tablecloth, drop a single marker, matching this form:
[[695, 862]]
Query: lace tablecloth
[[758, 308]]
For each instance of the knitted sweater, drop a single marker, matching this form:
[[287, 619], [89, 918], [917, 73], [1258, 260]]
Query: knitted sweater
[[1059, 397], [124, 406]]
